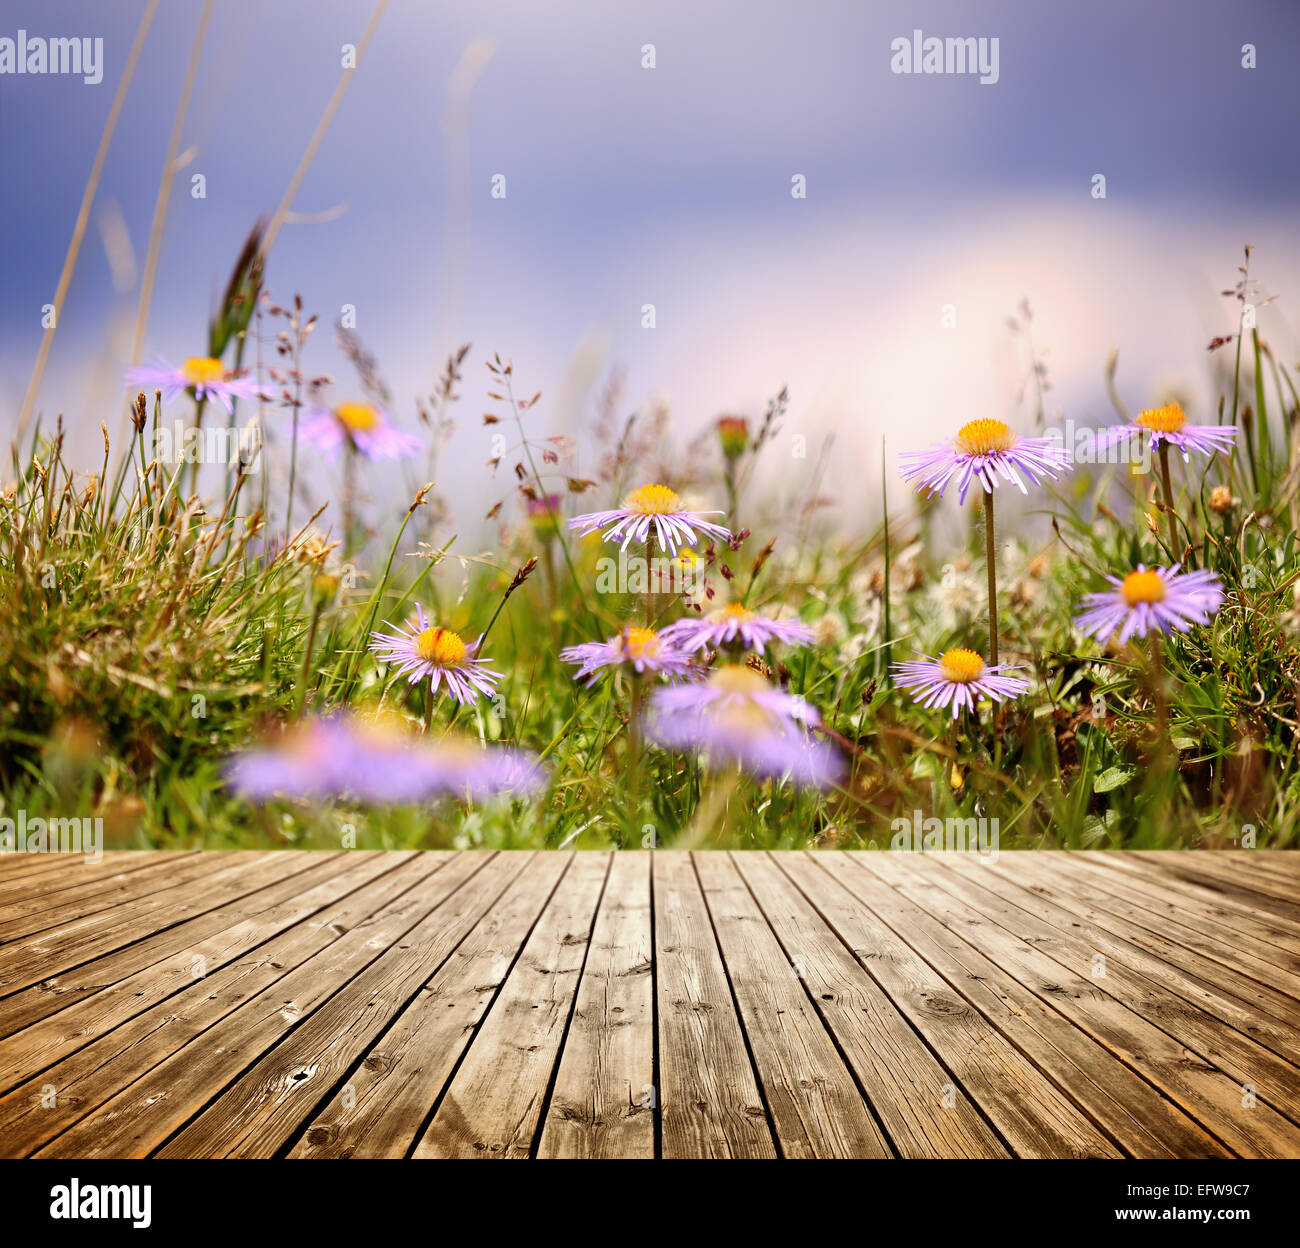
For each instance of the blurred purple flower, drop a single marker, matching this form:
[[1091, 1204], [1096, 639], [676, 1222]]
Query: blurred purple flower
[[738, 717], [208, 378], [362, 426], [378, 763], [643, 649], [733, 625]]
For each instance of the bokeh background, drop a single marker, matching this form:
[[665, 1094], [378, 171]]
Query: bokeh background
[[672, 186]]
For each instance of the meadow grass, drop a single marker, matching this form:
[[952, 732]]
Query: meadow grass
[[148, 630]]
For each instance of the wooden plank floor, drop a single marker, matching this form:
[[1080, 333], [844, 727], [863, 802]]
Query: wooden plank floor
[[829, 1004]]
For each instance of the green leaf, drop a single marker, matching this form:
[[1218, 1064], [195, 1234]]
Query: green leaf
[[1113, 778]]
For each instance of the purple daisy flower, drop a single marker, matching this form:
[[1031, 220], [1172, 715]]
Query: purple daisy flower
[[957, 678], [335, 756], [737, 717], [736, 625], [465, 769], [421, 650], [377, 762], [360, 426], [208, 378], [983, 451], [651, 508], [1169, 424], [643, 648], [1156, 598]]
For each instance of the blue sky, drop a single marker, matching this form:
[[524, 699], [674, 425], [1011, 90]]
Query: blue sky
[[671, 186]]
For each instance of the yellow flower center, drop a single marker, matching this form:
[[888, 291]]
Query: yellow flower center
[[737, 679], [1143, 587], [441, 646], [740, 712], [640, 643], [732, 611], [324, 585], [1167, 419], [652, 500], [360, 417], [198, 370], [961, 666], [980, 437]]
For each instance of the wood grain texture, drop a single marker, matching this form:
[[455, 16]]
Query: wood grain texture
[[602, 1103], [815, 1106], [391, 1092], [494, 1104], [709, 1102], [650, 1004]]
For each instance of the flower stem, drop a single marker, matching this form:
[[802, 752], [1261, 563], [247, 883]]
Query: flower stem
[[1169, 501], [144, 472], [636, 743], [307, 656], [199, 405], [1158, 680], [990, 556], [293, 474], [649, 580], [349, 497], [374, 605]]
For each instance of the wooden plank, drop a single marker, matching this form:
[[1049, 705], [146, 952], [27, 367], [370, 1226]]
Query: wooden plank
[[709, 1099], [31, 915], [1211, 1091], [15, 866], [58, 992], [260, 1113], [42, 1041], [114, 866], [815, 1106], [1127, 1108], [1252, 1053], [143, 1116], [25, 962], [721, 1004], [89, 1076], [602, 1102], [1175, 912], [1279, 866], [494, 1104], [190, 867], [1027, 1110], [390, 1092], [1207, 872], [1213, 959], [1192, 896], [1242, 867], [903, 1081]]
